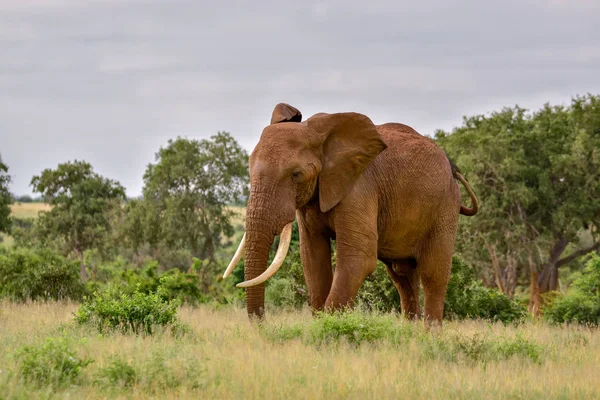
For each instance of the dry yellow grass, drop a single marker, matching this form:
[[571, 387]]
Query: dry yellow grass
[[28, 210], [225, 357]]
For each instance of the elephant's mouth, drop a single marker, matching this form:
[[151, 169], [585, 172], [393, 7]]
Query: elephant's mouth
[[282, 249]]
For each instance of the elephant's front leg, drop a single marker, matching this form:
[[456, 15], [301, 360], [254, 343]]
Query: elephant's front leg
[[356, 250], [315, 252]]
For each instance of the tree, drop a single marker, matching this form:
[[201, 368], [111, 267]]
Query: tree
[[82, 205], [538, 178], [186, 193], [5, 198]]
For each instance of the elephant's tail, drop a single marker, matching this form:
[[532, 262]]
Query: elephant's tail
[[469, 212]]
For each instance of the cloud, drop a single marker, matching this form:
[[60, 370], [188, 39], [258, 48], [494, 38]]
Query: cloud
[[110, 82]]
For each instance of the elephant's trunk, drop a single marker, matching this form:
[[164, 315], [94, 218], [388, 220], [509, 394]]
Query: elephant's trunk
[[259, 238]]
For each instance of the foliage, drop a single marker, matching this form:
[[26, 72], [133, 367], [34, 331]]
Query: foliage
[[189, 185], [117, 373], [82, 204], [581, 303], [378, 293], [119, 278], [139, 313], [51, 363], [185, 197], [357, 327], [467, 297], [5, 198], [538, 178], [38, 274]]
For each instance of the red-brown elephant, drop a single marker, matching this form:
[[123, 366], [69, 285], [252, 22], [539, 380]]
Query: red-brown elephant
[[381, 191]]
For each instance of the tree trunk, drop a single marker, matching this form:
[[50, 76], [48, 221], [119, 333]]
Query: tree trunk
[[548, 279], [535, 299], [511, 276], [496, 266], [82, 270]]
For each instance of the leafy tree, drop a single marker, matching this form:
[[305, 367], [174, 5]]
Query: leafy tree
[[186, 193], [581, 303], [5, 198], [82, 205], [538, 178]]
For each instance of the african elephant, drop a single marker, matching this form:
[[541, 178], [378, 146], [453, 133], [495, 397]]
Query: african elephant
[[381, 191]]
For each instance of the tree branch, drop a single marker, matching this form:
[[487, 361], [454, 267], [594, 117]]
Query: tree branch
[[577, 254]]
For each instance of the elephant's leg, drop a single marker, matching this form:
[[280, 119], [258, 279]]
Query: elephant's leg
[[315, 253], [434, 266], [356, 250], [406, 280]]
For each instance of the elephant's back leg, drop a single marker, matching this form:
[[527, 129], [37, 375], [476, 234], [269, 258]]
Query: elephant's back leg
[[405, 277], [434, 264]]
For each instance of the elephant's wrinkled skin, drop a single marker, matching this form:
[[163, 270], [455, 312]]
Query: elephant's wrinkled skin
[[382, 192]]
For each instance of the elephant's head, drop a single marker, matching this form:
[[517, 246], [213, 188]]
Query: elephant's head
[[293, 163]]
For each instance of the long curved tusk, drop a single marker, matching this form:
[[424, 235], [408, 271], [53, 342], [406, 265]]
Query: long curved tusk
[[284, 245], [239, 253]]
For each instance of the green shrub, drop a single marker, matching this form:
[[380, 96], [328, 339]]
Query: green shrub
[[466, 297], [288, 288], [174, 284], [117, 373], [280, 293], [351, 327], [354, 327], [581, 303], [38, 274], [119, 278], [51, 363], [138, 313]]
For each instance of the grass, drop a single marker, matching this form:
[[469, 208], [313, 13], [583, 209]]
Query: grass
[[293, 355], [28, 210]]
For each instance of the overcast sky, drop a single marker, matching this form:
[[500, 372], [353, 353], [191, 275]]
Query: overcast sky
[[109, 82]]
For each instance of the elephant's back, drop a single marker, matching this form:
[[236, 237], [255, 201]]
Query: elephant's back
[[415, 183], [411, 155]]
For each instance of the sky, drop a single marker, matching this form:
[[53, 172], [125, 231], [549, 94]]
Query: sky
[[110, 82]]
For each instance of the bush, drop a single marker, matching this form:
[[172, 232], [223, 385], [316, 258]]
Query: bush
[[117, 373], [184, 287], [378, 293], [138, 313], [581, 303], [466, 297], [51, 363], [119, 278], [38, 274], [357, 327]]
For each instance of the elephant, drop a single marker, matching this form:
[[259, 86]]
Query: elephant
[[380, 191]]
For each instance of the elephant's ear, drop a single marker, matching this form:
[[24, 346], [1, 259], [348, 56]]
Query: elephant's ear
[[351, 143], [285, 113]]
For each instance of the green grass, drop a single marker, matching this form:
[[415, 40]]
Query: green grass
[[292, 355]]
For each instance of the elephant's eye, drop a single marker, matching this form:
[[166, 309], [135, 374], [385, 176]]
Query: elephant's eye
[[296, 175]]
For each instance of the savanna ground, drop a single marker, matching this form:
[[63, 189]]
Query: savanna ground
[[219, 354]]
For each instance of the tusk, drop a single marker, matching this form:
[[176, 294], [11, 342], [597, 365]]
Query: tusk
[[284, 245], [239, 253]]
